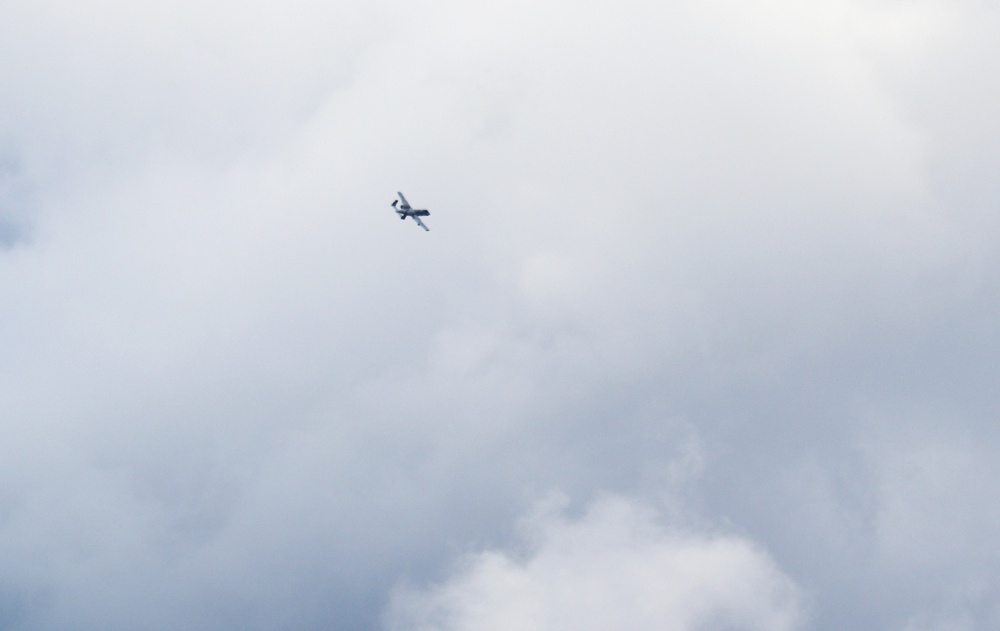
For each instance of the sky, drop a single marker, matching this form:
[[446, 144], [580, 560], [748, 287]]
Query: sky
[[702, 335]]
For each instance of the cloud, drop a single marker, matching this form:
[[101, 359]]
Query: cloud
[[614, 567], [237, 390]]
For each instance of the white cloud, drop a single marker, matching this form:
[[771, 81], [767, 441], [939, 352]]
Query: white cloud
[[615, 567]]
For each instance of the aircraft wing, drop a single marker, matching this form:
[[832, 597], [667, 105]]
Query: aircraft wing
[[406, 204], [420, 223]]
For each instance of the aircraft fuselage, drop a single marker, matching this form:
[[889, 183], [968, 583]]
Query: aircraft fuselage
[[404, 210]]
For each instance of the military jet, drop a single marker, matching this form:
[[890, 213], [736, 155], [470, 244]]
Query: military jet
[[404, 210]]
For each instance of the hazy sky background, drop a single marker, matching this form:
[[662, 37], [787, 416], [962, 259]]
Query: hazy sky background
[[704, 333]]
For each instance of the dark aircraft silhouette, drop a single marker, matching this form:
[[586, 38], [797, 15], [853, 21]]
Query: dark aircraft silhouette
[[404, 210]]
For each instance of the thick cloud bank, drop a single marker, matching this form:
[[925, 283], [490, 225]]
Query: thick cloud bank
[[742, 254], [612, 569]]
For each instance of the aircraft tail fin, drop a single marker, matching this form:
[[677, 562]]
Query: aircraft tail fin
[[394, 202]]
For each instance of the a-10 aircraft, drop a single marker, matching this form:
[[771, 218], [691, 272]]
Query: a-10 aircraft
[[404, 210]]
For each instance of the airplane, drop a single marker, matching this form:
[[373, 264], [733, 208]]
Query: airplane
[[404, 210]]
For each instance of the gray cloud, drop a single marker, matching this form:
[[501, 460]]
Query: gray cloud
[[733, 260], [15, 197]]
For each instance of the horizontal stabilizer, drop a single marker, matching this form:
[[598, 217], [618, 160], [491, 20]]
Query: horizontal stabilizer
[[421, 213]]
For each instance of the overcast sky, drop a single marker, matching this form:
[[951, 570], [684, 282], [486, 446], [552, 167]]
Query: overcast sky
[[703, 334]]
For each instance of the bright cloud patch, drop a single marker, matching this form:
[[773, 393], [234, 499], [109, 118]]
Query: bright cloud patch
[[614, 568]]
